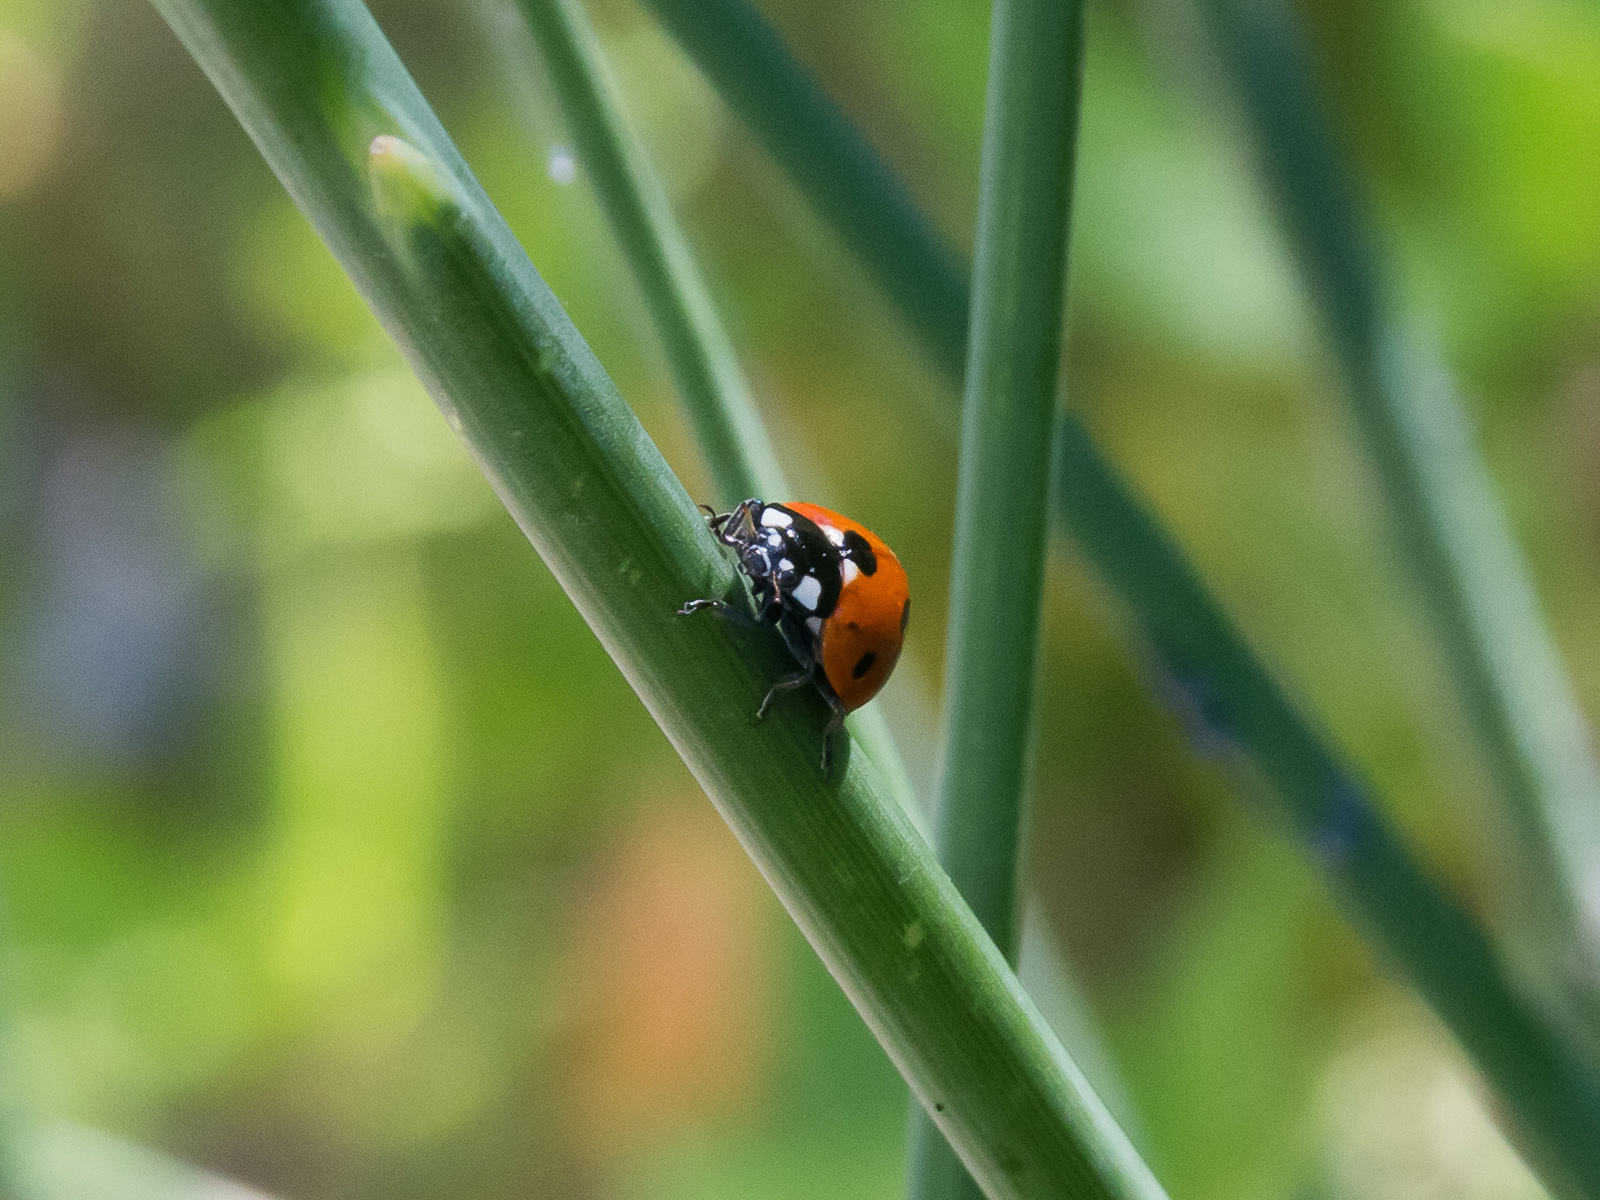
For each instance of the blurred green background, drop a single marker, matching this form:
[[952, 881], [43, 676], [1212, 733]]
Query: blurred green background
[[337, 857]]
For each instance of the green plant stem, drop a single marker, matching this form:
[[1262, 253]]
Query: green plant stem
[[1003, 486], [1474, 584], [832, 164], [1549, 1092], [316, 85], [728, 427], [732, 439]]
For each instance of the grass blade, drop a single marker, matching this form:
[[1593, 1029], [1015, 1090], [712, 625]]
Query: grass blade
[[734, 442], [1549, 1092], [316, 85], [1003, 488], [1474, 583]]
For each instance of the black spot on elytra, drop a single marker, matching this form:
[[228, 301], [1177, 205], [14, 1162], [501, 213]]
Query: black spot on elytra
[[905, 615], [864, 664], [859, 552]]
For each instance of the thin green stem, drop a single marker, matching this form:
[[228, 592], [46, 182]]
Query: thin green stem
[[1003, 487], [732, 439], [1003, 492], [315, 84], [1474, 583], [728, 426], [1549, 1091], [831, 163]]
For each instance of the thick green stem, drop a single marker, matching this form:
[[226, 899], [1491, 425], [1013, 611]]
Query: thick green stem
[[1003, 488], [1549, 1090], [316, 85]]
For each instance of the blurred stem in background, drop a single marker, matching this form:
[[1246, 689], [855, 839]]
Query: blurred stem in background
[[1549, 1086], [733, 441], [1474, 585], [1003, 487], [336, 115]]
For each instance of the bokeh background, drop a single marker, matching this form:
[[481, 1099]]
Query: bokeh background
[[337, 857]]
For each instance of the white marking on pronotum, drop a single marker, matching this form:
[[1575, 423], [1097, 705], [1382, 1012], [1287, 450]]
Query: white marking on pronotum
[[808, 591], [785, 565], [815, 625], [850, 570], [776, 516]]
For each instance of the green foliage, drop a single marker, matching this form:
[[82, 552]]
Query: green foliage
[[609, 518], [340, 858]]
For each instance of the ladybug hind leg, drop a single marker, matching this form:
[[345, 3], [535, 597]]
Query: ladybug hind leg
[[835, 724], [787, 684]]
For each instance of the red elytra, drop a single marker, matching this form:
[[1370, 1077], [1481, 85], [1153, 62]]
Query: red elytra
[[862, 637]]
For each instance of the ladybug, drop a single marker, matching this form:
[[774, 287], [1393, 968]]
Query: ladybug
[[837, 594]]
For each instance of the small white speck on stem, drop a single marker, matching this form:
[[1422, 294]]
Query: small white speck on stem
[[561, 166]]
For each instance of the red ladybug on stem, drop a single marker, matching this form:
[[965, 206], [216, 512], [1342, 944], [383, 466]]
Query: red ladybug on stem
[[837, 594]]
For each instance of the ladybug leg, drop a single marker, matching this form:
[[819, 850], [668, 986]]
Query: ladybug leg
[[713, 518], [787, 684], [722, 608], [834, 725], [766, 613], [769, 606]]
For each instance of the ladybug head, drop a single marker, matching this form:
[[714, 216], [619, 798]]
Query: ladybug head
[[740, 528]]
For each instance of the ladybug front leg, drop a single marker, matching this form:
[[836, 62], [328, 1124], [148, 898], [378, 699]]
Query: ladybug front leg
[[728, 612], [769, 606]]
